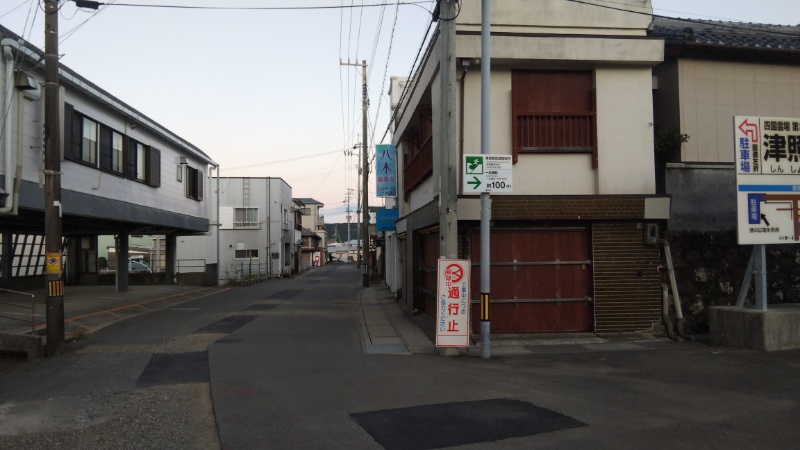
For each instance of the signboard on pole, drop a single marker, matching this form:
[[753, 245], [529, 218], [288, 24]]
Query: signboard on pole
[[486, 173], [767, 180], [385, 219], [386, 170], [452, 303]]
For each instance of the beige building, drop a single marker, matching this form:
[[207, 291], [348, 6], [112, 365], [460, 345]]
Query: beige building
[[571, 104]]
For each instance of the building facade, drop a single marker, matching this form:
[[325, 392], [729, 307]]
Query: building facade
[[571, 104], [314, 221], [122, 173], [256, 234]]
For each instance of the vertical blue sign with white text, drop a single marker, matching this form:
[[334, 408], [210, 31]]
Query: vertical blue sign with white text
[[386, 170]]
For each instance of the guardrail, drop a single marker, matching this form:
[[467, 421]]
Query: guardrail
[[32, 308]]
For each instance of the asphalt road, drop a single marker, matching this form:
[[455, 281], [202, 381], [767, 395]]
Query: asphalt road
[[280, 365]]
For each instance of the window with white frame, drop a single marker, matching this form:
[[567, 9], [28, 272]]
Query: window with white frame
[[140, 161], [89, 142], [245, 218]]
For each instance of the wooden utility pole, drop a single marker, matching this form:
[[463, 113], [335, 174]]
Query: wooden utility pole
[[52, 185]]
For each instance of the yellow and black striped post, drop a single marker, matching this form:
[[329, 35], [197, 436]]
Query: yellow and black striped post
[[484, 307], [55, 288]]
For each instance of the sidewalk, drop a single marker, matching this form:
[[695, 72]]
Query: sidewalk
[[386, 329], [90, 308]]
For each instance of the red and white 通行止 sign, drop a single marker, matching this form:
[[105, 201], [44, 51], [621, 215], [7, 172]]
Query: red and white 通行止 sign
[[452, 303]]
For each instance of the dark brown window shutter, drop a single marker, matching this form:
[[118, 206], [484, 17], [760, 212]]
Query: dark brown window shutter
[[153, 176], [200, 176], [130, 158], [105, 147]]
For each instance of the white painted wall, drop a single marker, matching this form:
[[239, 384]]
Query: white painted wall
[[625, 130], [271, 196]]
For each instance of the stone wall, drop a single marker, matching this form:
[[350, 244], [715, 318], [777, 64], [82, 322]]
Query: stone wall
[[710, 268]]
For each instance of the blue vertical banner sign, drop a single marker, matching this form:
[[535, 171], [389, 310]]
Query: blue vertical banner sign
[[386, 170]]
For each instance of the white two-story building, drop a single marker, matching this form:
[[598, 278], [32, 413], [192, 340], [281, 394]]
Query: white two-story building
[[122, 174]]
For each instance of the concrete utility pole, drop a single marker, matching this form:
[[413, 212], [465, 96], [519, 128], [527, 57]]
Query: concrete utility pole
[[364, 176], [52, 184], [365, 179], [448, 168], [486, 202]]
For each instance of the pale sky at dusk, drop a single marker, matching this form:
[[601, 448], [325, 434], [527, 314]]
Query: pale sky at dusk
[[262, 92]]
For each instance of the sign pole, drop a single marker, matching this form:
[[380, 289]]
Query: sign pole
[[486, 202]]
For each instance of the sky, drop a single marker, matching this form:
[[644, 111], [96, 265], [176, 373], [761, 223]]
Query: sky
[[276, 93]]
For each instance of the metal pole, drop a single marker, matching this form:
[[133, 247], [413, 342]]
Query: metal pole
[[364, 182], [486, 202], [52, 191], [760, 267]]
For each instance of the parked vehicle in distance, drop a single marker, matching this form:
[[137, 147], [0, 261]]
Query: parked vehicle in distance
[[138, 267]]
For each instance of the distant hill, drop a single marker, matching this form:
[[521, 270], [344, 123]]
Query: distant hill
[[338, 231]]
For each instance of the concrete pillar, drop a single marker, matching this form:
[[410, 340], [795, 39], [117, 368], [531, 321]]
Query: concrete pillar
[[171, 249], [122, 263]]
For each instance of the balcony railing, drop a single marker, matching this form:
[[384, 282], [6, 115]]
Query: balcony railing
[[246, 225], [555, 133]]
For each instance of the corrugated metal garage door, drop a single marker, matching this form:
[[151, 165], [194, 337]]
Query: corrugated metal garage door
[[540, 280]]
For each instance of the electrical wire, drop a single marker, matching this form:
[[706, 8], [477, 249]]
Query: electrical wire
[[71, 32], [14, 8], [284, 160], [414, 67], [697, 21], [386, 69]]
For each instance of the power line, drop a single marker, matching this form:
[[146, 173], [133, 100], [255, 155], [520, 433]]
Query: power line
[[259, 8], [416, 80], [284, 160], [697, 21]]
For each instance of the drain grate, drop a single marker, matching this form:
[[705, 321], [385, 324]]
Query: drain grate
[[385, 349]]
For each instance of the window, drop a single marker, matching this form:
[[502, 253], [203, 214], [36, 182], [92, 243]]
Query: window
[[246, 254], [140, 162], [245, 218], [553, 112], [111, 150], [89, 141], [194, 183], [143, 163], [92, 143]]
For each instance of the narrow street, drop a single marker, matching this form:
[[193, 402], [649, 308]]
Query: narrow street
[[282, 364]]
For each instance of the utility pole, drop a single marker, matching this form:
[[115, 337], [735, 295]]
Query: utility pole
[[448, 176], [52, 185], [486, 201], [364, 176]]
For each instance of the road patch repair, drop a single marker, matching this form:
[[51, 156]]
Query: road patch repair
[[461, 423]]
